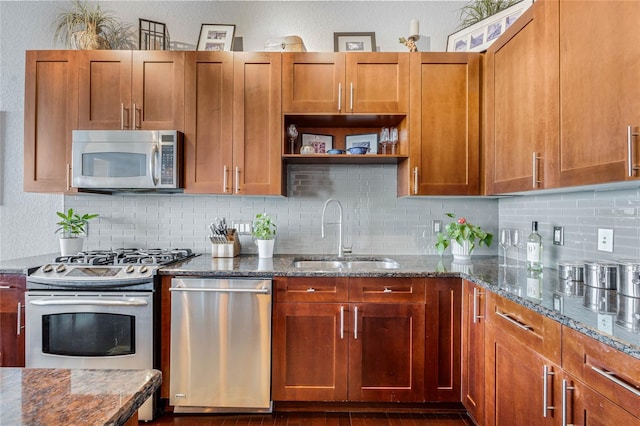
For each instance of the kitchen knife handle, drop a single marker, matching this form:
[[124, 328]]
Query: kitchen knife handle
[[545, 392]]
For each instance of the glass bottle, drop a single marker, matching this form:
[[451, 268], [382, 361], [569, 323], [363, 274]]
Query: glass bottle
[[534, 249]]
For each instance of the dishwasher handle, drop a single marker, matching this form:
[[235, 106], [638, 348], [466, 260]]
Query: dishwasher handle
[[263, 290]]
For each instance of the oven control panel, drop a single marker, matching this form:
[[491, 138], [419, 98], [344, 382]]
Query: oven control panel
[[60, 273]]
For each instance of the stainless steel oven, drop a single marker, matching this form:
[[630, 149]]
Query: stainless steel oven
[[96, 310]]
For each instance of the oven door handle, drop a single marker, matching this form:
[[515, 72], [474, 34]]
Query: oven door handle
[[96, 302]]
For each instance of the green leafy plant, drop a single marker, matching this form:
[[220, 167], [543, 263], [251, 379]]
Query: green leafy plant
[[87, 26], [477, 10], [461, 231], [72, 224], [263, 227]]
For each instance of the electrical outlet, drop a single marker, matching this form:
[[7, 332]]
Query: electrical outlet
[[605, 240], [437, 226], [242, 227], [558, 235]]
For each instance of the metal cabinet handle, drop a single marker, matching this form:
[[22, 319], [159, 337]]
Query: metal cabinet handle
[[225, 179], [476, 294], [121, 115], [630, 136], [68, 177], [545, 393], [237, 180], [351, 97], [387, 290], [311, 290], [355, 323], [341, 322], [339, 97], [135, 117], [514, 322], [535, 158], [611, 376], [565, 388], [415, 180], [20, 326]]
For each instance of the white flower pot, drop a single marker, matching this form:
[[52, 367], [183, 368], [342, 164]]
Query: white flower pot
[[461, 252], [265, 248], [71, 246]]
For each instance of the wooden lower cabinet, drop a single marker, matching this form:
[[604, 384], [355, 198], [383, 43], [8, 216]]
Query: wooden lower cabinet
[[12, 289], [473, 331], [336, 339], [522, 363]]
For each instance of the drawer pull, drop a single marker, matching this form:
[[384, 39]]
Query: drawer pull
[[514, 322], [565, 388], [311, 290], [545, 392], [615, 380], [387, 290], [341, 322], [476, 294]]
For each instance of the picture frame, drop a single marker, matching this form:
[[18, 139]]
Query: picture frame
[[369, 140], [354, 42], [479, 36], [216, 37], [321, 143]]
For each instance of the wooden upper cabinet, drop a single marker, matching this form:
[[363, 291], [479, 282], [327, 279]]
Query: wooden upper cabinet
[[444, 156], [257, 124], [131, 90], [345, 83], [208, 153], [599, 94], [521, 102], [50, 113]]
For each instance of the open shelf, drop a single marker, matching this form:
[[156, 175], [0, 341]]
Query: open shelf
[[343, 159]]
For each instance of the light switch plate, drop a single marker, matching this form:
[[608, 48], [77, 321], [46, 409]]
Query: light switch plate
[[558, 235], [437, 226], [605, 240]]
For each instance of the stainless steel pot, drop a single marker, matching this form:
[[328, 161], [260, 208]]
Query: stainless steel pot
[[600, 300], [629, 280], [628, 312], [601, 274], [572, 271], [571, 288]]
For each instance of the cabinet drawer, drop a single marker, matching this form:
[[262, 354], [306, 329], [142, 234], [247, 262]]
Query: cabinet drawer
[[539, 333], [382, 290], [612, 373], [296, 289]]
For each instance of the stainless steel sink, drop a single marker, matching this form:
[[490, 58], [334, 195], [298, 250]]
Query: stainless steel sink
[[351, 264]]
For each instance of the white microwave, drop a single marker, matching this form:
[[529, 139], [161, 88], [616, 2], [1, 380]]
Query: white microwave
[[126, 159]]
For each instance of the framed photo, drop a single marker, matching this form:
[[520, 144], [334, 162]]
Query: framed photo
[[479, 36], [369, 140], [354, 42], [320, 143], [216, 37]]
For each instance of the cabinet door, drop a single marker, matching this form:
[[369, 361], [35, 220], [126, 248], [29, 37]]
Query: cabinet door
[[599, 94], [50, 113], [473, 319], [442, 335], [313, 83], [386, 352], [257, 124], [157, 90], [445, 125], [310, 352], [208, 131], [521, 103], [377, 83], [104, 91], [12, 288]]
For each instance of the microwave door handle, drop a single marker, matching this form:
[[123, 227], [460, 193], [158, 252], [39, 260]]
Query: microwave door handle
[[153, 161]]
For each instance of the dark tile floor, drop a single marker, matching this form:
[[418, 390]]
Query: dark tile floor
[[315, 419]]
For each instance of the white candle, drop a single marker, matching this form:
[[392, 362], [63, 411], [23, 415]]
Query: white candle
[[414, 27]]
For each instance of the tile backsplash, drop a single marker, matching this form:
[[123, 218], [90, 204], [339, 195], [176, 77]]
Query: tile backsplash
[[375, 220]]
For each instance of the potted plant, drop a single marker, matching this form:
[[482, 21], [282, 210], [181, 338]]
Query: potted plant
[[72, 227], [463, 237], [90, 27], [264, 231]]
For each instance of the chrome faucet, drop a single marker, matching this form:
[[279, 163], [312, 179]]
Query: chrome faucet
[[341, 248]]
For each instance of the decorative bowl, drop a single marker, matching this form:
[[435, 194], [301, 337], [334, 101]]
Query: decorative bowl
[[358, 150], [335, 151]]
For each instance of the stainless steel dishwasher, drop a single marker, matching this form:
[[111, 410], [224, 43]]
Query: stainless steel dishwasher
[[220, 345]]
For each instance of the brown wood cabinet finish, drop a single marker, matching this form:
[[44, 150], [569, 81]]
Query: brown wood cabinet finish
[[345, 83], [473, 327], [50, 113], [444, 157], [131, 90], [12, 320], [521, 103]]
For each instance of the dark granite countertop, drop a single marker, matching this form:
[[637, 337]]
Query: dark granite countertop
[[24, 265], [56, 396], [536, 293]]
